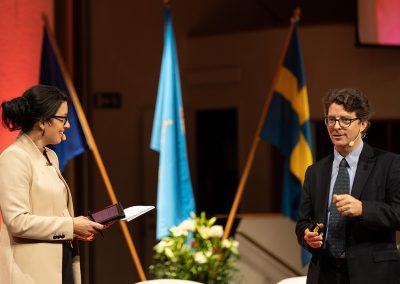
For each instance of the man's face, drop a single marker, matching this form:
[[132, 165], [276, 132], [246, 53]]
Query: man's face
[[343, 132]]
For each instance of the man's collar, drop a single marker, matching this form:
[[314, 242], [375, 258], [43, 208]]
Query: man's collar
[[351, 158]]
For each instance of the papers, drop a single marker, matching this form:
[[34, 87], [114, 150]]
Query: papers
[[135, 211]]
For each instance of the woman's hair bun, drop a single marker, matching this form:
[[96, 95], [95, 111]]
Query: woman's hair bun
[[15, 113]]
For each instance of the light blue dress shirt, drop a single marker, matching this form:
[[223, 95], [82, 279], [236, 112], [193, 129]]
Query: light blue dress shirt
[[352, 161]]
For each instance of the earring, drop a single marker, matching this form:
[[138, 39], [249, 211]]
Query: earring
[[44, 130]]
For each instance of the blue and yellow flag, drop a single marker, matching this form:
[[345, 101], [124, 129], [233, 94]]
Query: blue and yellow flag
[[50, 74], [174, 195], [287, 125]]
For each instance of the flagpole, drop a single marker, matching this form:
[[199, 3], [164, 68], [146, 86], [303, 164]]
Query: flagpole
[[93, 146], [256, 139]]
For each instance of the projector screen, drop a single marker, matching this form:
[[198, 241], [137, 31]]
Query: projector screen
[[379, 22]]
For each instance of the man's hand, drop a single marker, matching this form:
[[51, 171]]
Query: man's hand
[[313, 239], [347, 205]]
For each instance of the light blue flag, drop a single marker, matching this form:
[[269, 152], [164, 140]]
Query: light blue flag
[[174, 195]]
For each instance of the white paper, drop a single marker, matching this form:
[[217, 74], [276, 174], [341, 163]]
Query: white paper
[[135, 211]]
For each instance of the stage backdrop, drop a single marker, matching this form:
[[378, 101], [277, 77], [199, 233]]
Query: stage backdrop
[[21, 28]]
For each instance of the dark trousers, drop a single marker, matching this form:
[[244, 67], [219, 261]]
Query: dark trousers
[[333, 271], [67, 275]]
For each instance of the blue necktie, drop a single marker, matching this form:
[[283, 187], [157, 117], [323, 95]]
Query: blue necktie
[[337, 222]]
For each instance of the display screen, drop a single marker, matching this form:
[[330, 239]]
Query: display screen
[[108, 214], [379, 22]]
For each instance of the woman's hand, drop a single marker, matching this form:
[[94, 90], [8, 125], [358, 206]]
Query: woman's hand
[[108, 225], [88, 239], [85, 229]]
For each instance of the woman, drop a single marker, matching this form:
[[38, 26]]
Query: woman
[[38, 231]]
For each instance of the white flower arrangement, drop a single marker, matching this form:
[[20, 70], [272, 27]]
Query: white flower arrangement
[[195, 250]]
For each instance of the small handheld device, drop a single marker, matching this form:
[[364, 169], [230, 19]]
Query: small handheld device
[[315, 228], [108, 214]]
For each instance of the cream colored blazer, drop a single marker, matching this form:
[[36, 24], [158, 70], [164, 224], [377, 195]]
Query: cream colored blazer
[[36, 207]]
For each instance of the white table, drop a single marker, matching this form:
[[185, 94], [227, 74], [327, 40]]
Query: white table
[[168, 281], [294, 280]]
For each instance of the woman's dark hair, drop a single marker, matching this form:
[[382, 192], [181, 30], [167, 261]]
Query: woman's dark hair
[[38, 103], [352, 100]]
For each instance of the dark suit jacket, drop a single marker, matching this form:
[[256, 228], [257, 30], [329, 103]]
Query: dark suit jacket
[[371, 252]]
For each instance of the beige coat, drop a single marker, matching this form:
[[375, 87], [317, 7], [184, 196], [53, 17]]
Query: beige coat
[[36, 207]]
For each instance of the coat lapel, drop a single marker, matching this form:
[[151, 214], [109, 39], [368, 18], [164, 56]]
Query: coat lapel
[[69, 201], [364, 167], [324, 182], [26, 142]]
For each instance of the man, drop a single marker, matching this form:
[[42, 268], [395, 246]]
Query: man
[[353, 195]]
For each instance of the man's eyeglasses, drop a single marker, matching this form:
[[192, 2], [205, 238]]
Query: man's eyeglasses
[[63, 119], [344, 122]]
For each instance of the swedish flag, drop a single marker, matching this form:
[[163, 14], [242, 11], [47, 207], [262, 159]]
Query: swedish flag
[[287, 125]]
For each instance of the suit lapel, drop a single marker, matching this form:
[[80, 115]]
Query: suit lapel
[[364, 167], [69, 201], [324, 182], [28, 145]]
